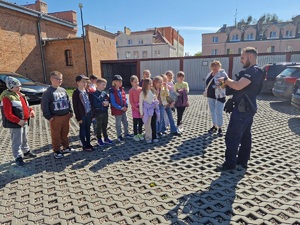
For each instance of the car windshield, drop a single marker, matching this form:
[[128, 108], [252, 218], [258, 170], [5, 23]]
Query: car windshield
[[288, 72], [23, 80]]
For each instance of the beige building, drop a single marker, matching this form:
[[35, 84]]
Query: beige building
[[266, 37], [153, 43]]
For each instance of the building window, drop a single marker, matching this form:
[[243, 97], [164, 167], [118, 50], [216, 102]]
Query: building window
[[289, 48], [127, 55], [273, 34], [118, 55], [145, 54], [271, 49], [215, 39], [136, 54], [288, 34], [250, 36], [235, 37], [214, 51], [157, 52], [129, 42], [141, 42], [117, 43], [69, 58], [240, 51]]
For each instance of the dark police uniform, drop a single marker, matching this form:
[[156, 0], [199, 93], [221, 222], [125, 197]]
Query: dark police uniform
[[238, 136]]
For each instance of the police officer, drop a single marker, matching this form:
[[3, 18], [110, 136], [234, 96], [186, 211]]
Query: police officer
[[245, 90]]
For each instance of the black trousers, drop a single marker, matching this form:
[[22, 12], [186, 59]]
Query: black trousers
[[180, 111], [137, 126], [153, 125], [102, 121]]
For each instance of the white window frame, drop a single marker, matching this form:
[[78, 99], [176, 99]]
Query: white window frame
[[214, 51], [215, 39], [250, 36], [288, 33], [235, 37], [136, 54], [145, 54], [129, 42], [273, 34], [141, 41], [127, 55]]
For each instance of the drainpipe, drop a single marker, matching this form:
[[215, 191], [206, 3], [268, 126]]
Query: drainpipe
[[41, 47]]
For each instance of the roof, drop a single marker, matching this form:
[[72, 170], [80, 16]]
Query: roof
[[35, 13]]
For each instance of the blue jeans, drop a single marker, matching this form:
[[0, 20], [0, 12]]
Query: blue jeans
[[238, 137], [216, 109], [84, 130], [161, 126]]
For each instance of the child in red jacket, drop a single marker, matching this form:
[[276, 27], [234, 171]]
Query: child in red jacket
[[15, 116]]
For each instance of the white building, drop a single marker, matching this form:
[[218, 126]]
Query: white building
[[149, 44]]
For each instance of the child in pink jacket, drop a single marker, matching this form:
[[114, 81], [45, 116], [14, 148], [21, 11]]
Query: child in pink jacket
[[134, 94]]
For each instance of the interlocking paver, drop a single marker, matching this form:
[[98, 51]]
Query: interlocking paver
[[169, 182]]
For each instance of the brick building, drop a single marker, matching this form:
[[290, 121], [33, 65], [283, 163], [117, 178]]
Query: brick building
[[34, 42], [267, 37], [152, 43]]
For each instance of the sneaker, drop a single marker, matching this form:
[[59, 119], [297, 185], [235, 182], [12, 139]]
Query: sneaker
[[59, 154], [87, 149], [68, 150], [176, 133], [128, 136], [19, 161], [28, 155], [107, 141], [141, 137], [220, 133], [155, 140], [100, 142], [120, 139], [212, 130], [80, 143], [149, 141], [136, 138], [224, 167]]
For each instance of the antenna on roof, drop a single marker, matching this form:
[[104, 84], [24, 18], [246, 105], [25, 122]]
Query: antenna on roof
[[235, 16]]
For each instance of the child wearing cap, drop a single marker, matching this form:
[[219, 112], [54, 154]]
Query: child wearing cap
[[119, 106], [83, 111], [15, 116], [56, 108]]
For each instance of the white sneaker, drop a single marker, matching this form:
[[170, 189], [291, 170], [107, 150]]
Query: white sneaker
[[141, 136], [136, 138], [155, 140]]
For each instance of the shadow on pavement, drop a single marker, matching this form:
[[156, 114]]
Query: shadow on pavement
[[210, 205], [294, 125], [284, 107]]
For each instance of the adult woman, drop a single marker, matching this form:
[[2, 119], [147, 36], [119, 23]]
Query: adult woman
[[216, 96]]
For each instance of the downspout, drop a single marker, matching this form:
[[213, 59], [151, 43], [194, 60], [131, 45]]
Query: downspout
[[41, 47]]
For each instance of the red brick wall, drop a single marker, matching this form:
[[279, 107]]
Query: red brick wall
[[56, 60], [19, 45], [101, 45]]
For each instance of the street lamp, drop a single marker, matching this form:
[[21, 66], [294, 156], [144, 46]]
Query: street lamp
[[83, 38]]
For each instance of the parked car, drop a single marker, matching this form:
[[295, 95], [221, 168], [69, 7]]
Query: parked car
[[284, 84], [271, 70], [32, 90], [296, 95]]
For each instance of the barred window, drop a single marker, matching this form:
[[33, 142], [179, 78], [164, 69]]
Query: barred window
[[69, 58]]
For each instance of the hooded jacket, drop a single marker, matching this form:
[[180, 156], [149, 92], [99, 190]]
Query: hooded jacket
[[14, 107]]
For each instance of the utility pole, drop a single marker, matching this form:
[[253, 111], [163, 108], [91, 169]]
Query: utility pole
[[83, 38]]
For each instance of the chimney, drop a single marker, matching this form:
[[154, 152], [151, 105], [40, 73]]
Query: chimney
[[127, 31], [41, 6]]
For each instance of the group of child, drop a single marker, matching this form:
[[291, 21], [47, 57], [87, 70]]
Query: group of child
[[152, 102]]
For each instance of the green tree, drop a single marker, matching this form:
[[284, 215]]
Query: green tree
[[198, 54]]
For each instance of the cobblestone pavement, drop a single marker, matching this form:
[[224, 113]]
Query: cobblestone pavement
[[170, 182]]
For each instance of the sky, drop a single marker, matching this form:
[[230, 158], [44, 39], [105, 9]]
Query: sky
[[191, 18]]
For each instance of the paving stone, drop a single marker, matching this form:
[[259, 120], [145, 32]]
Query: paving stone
[[169, 182]]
